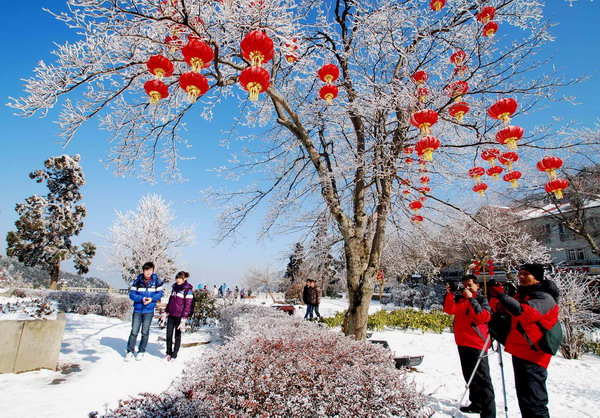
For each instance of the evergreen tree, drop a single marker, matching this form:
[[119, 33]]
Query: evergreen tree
[[47, 224], [292, 271]]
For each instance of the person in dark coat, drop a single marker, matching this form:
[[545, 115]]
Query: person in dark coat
[[534, 304], [178, 310], [315, 297], [472, 312], [145, 291], [306, 293]]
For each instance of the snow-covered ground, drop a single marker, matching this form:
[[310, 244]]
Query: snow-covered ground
[[93, 374]]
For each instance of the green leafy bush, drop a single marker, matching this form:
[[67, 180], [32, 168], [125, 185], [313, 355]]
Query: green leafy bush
[[204, 308], [427, 321]]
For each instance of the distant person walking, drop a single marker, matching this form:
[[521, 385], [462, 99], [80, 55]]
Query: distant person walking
[[315, 298], [145, 291], [306, 292], [178, 310], [215, 291]]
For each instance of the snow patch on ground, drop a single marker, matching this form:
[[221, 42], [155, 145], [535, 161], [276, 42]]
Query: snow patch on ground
[[93, 375]]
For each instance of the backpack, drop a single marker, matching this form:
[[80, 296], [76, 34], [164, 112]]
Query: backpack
[[551, 338], [499, 326]]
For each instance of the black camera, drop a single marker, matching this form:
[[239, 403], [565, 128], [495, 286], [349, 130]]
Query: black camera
[[456, 288], [509, 288]]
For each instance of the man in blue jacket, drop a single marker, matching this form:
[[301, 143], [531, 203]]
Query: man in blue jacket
[[145, 291]]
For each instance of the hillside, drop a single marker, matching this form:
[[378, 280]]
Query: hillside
[[18, 274]]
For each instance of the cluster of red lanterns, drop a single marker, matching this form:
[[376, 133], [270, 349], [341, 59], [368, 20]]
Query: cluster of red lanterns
[[328, 74], [485, 265], [420, 78], [291, 55], [458, 88], [257, 48], [555, 185], [485, 16]]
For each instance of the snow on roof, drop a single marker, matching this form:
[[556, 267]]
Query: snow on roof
[[552, 209]]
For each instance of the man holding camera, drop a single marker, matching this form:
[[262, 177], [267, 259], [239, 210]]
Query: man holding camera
[[472, 312]]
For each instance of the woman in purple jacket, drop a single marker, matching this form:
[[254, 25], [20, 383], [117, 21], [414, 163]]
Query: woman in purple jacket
[[178, 309]]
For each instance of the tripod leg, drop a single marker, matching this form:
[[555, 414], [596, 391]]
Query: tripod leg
[[482, 353], [501, 363]]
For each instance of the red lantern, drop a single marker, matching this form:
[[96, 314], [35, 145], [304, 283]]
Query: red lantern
[[480, 188], [329, 73], [291, 58], [556, 186], [420, 77], [160, 66], [174, 42], [425, 147], [508, 159], [328, 92], [409, 160], [512, 177], [490, 155], [422, 93], [476, 173], [509, 136], [460, 70], [503, 109], [407, 150], [424, 179], [490, 29], [458, 110], [417, 219], [437, 5], [156, 89], [494, 171], [550, 165], [198, 54], [195, 84], [415, 205], [255, 80], [424, 189], [458, 57], [456, 90], [257, 48], [424, 119], [486, 14]]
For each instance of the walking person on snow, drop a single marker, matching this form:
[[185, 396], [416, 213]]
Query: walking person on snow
[[315, 298], [145, 291], [472, 312], [535, 304], [178, 310]]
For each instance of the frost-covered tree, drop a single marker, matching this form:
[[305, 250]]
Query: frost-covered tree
[[578, 310], [294, 265], [47, 224], [346, 157], [261, 279], [148, 234], [320, 260]]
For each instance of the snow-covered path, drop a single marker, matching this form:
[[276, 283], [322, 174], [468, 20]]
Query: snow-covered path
[[93, 373]]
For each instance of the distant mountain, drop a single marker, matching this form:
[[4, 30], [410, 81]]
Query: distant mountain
[[18, 274]]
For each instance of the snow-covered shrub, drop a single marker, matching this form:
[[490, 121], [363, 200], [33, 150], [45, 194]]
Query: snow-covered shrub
[[166, 405], [418, 296], [241, 317], [35, 308], [576, 304], [289, 367], [204, 309], [104, 304]]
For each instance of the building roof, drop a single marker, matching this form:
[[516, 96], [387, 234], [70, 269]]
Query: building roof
[[552, 209]]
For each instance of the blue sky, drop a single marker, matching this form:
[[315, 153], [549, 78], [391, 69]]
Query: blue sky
[[30, 33]]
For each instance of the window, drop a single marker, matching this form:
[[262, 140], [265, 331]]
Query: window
[[575, 254]]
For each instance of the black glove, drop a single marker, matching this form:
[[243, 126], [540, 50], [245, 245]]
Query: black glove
[[495, 290]]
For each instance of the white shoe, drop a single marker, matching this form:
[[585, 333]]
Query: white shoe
[[129, 356], [140, 356]]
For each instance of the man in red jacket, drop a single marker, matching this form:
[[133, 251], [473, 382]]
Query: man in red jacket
[[535, 304], [471, 312]]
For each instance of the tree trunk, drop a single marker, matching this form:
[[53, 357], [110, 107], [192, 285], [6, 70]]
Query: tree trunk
[[54, 276], [361, 284]]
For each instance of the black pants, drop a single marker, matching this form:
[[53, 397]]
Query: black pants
[[173, 324], [530, 382], [481, 390]]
